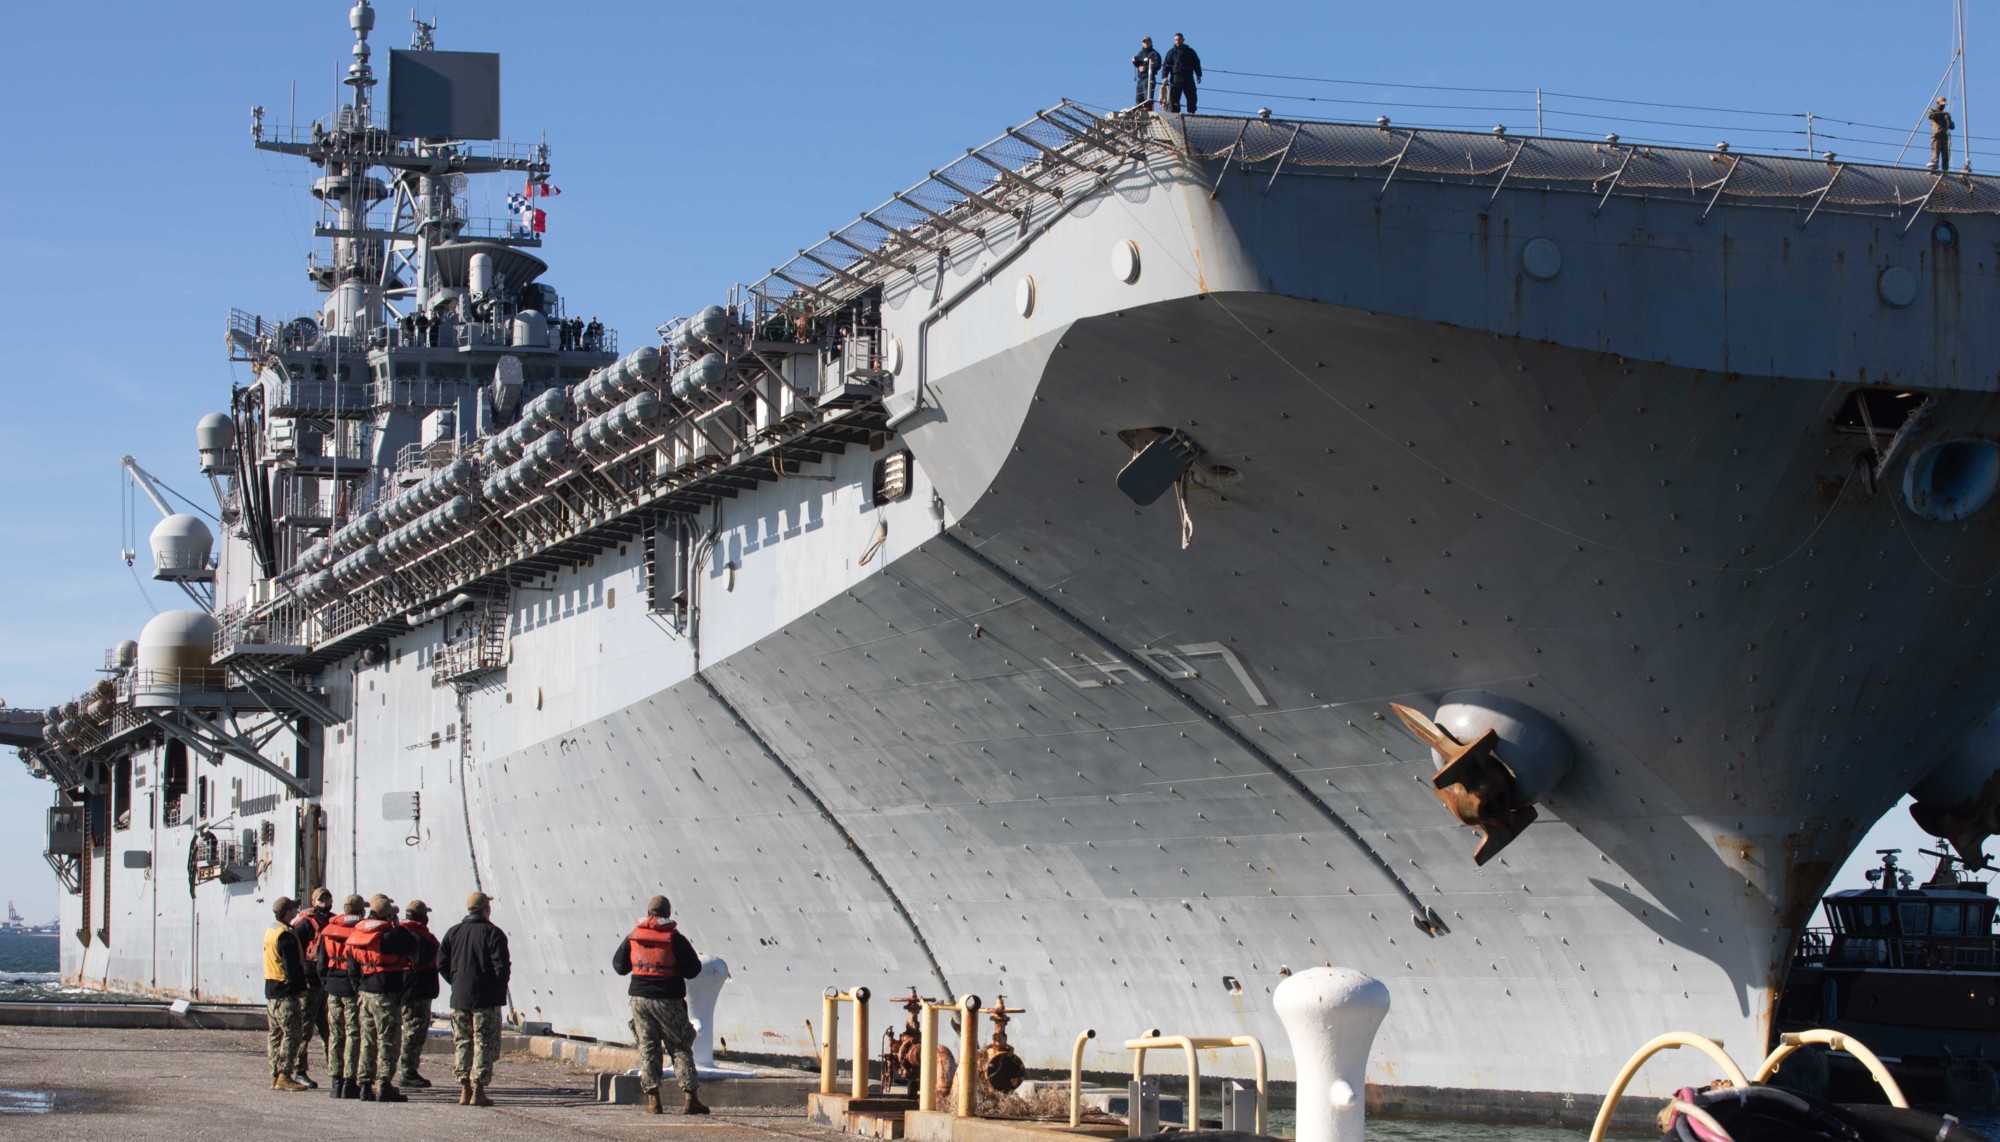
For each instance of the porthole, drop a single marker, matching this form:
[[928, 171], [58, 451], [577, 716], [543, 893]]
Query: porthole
[[1952, 479], [1944, 233]]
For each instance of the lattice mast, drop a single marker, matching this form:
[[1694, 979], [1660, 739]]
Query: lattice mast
[[382, 267]]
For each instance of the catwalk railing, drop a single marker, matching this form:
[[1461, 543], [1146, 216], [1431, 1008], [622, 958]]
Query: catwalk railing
[[1604, 168], [1047, 156]]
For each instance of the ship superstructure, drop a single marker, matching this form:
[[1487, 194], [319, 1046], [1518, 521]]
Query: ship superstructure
[[1147, 556]]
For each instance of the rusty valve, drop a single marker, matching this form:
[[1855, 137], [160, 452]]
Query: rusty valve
[[1001, 1067], [902, 1052]]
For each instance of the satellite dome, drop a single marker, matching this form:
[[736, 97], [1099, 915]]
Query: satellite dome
[[214, 431], [215, 439], [178, 640], [181, 544]]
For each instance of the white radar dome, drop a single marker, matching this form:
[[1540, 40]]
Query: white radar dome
[[213, 432], [178, 640], [181, 544]]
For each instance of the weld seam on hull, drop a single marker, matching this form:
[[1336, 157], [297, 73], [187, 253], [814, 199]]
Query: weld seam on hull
[[465, 782], [1193, 706], [826, 814]]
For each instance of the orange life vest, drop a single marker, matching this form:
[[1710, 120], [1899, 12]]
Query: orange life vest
[[428, 958], [653, 949], [365, 945], [333, 938], [313, 921]]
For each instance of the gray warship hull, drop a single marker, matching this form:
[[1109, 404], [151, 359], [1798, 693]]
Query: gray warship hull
[[1132, 765]]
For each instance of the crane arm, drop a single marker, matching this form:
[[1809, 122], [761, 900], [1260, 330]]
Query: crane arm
[[147, 484]]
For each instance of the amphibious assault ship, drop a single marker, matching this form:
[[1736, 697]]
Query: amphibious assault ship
[[1148, 556]]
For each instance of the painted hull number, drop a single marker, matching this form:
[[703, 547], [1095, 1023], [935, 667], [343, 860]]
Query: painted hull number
[[1176, 664]]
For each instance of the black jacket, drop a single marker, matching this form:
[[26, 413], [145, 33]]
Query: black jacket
[[653, 987], [1146, 65], [473, 960], [1181, 63], [396, 941], [424, 980]]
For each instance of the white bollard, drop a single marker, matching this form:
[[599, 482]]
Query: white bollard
[[702, 993], [1331, 1016]]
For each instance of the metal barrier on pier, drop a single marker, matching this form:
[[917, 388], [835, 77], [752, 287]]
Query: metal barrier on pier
[[829, 1051]]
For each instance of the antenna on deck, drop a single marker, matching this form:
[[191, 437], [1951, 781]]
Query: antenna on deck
[[421, 39]]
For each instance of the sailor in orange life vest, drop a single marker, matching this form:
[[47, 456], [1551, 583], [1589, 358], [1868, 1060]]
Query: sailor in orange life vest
[[343, 1011], [661, 961], [307, 928], [381, 956], [417, 999]]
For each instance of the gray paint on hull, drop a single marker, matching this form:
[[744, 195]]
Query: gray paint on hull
[[833, 822]]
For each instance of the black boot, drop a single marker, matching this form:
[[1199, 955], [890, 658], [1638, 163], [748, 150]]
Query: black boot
[[339, 1089], [367, 1092], [387, 1092], [353, 1089]]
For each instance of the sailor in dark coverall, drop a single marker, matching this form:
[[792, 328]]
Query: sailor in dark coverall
[[1941, 129], [423, 988], [307, 927], [1183, 69], [474, 960], [660, 961], [1145, 74]]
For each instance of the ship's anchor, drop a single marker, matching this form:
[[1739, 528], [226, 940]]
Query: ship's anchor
[[1479, 788]]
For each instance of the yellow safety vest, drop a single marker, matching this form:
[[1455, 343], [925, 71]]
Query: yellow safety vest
[[274, 960]]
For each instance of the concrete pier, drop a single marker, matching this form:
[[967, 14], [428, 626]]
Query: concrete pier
[[74, 1083]]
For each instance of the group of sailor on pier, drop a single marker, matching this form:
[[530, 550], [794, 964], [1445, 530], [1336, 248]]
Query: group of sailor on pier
[[363, 980]]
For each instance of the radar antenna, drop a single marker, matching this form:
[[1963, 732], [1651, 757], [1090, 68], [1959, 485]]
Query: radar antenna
[[420, 39]]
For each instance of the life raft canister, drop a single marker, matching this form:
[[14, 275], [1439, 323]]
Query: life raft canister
[[333, 938], [366, 948], [653, 949]]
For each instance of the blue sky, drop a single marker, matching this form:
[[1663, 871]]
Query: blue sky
[[698, 145]]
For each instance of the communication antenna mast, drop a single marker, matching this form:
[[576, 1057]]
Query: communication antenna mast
[[1964, 97]]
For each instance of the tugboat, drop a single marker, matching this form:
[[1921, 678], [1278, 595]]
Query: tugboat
[[1914, 972]]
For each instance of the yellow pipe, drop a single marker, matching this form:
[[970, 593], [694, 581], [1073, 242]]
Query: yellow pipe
[[859, 997], [1156, 1042], [968, 1042], [829, 1019], [927, 1062], [1263, 1084], [1667, 1042], [1833, 1041], [1076, 1079]]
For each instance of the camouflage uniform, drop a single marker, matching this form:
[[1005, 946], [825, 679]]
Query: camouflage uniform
[[287, 1040], [416, 1032], [475, 1040], [663, 1023], [381, 1036], [343, 1044]]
